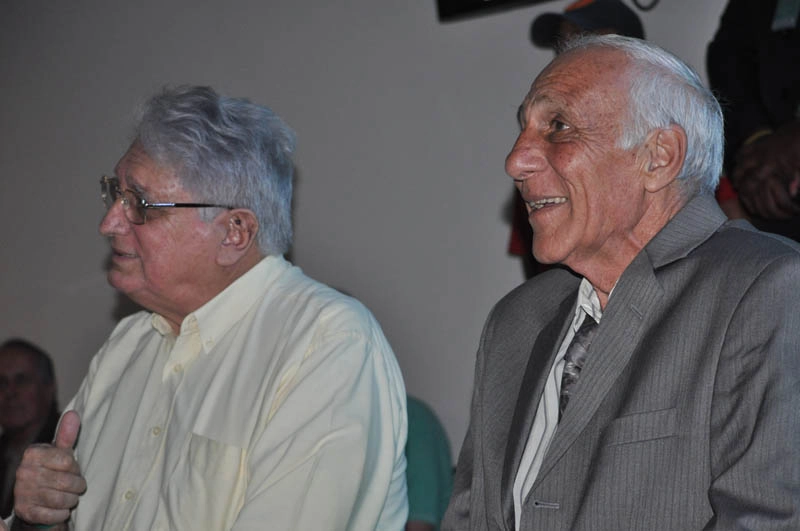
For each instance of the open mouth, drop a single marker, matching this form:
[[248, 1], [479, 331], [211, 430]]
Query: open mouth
[[549, 201], [117, 252]]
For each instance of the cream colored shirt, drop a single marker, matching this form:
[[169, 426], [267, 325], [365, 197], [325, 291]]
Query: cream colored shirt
[[278, 406], [546, 420]]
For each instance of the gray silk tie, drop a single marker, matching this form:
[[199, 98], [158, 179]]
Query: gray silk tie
[[574, 359]]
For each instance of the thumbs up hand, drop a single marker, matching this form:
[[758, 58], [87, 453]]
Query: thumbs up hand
[[67, 433], [49, 480]]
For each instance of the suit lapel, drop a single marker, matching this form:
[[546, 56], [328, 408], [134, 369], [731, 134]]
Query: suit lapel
[[544, 350], [636, 295]]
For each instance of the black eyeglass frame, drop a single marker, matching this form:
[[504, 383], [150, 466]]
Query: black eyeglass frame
[[109, 189]]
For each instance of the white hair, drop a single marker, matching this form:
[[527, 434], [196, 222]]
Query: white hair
[[666, 91]]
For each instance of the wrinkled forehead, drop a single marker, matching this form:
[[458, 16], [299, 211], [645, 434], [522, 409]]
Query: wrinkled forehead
[[134, 157], [596, 62], [137, 170], [591, 74]]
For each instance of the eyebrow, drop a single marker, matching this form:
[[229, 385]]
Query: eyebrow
[[543, 99], [527, 103], [131, 183], [136, 187]]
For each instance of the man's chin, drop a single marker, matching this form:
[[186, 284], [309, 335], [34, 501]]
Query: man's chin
[[544, 257], [122, 282]]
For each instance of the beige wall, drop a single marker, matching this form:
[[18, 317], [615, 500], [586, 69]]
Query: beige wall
[[402, 124]]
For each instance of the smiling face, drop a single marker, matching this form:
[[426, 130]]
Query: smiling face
[[584, 195], [167, 265]]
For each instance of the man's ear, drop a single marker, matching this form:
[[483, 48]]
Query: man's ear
[[241, 228], [665, 151]]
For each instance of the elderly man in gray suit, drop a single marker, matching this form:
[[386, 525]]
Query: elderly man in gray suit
[[678, 410]]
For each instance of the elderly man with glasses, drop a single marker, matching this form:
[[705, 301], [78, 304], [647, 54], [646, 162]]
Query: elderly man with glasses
[[248, 396]]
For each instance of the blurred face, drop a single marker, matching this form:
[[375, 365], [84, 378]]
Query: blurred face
[[583, 194], [166, 265], [25, 399]]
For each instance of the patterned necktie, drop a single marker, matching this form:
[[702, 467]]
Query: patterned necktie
[[574, 359]]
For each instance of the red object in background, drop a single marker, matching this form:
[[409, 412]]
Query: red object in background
[[725, 190]]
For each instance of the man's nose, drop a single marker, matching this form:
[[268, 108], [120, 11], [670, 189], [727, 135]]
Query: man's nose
[[114, 221], [526, 158]]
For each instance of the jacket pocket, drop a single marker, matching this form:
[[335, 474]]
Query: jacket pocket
[[639, 427]]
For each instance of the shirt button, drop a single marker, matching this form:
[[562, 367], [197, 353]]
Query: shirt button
[[177, 368], [129, 495], [156, 431]]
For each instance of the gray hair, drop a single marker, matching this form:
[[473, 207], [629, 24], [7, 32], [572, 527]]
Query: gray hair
[[226, 151], [665, 91]]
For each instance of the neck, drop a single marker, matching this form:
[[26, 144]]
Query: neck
[[604, 267], [228, 275]]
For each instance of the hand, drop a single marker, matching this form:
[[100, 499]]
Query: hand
[[49, 479], [767, 174]]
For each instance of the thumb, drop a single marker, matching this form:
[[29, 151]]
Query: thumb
[[68, 429]]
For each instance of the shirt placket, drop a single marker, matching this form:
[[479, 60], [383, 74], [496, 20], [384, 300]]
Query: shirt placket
[[148, 466]]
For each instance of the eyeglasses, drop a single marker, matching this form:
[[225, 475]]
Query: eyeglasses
[[136, 206]]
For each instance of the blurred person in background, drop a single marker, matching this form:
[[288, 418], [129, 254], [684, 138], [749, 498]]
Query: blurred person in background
[[430, 468], [752, 65], [28, 408]]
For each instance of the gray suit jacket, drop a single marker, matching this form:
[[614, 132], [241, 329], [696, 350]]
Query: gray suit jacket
[[687, 413]]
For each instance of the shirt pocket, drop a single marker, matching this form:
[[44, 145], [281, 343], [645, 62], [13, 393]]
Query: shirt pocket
[[640, 427], [207, 487]]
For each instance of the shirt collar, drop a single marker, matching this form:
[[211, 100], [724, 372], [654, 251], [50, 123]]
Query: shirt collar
[[588, 304]]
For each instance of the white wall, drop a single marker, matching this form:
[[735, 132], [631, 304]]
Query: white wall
[[403, 124]]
